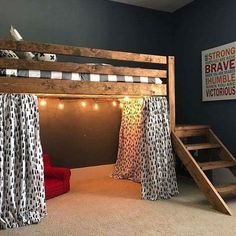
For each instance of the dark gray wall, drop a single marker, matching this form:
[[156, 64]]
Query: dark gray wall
[[77, 137], [90, 23], [201, 25]]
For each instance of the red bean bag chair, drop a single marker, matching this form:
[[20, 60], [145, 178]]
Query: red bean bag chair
[[56, 180]]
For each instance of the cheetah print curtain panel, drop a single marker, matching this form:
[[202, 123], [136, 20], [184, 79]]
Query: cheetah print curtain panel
[[145, 151], [22, 197], [158, 178], [128, 160]]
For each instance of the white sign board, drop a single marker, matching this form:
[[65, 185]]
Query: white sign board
[[218, 73]]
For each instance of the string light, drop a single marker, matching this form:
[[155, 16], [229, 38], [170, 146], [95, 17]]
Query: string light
[[114, 103], [83, 104], [126, 98], [96, 107], [60, 106], [43, 103], [141, 101], [121, 105]]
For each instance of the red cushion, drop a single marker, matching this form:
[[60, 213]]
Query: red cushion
[[58, 173], [54, 187], [46, 160], [57, 180]]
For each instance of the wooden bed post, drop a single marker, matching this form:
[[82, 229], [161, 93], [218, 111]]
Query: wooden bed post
[[171, 90]]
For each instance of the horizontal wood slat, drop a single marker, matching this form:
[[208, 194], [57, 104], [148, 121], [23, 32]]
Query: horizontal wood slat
[[226, 189], [191, 130], [191, 133], [69, 87], [80, 68], [216, 165], [199, 146], [81, 51], [191, 127]]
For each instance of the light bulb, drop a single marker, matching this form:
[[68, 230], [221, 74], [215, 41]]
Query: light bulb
[[96, 107], [126, 98], [61, 106], [121, 105], [83, 104], [114, 103], [43, 103]]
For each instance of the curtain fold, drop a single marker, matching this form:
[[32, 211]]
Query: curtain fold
[[128, 164], [22, 195], [145, 150], [158, 177]]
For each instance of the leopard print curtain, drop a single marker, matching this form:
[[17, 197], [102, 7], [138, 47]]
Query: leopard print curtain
[[22, 197], [145, 151], [128, 165], [158, 178]]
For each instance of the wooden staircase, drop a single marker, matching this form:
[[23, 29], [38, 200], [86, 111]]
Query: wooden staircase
[[185, 151]]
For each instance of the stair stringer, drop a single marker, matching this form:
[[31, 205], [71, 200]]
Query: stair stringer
[[224, 153], [199, 176]]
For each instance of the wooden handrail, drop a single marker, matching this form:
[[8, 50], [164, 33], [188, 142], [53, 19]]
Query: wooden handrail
[[81, 51], [74, 88], [80, 68]]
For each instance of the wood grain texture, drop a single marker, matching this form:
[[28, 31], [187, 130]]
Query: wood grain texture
[[81, 51], [212, 165], [80, 68], [201, 146], [224, 153], [182, 133], [226, 189], [190, 127], [171, 90], [199, 176], [70, 88]]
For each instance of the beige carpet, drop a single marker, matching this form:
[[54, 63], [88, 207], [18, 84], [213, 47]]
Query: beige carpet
[[99, 205]]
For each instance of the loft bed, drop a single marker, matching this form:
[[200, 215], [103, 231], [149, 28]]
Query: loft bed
[[81, 89], [70, 88], [17, 107]]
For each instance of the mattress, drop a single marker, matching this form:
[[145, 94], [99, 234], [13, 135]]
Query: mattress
[[78, 76]]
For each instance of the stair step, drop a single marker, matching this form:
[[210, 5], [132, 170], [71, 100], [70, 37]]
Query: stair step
[[191, 130], [199, 146], [226, 189], [194, 169], [191, 127], [216, 165]]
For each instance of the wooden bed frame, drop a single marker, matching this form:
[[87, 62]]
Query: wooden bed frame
[[69, 88]]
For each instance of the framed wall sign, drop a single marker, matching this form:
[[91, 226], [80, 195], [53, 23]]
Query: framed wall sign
[[218, 73]]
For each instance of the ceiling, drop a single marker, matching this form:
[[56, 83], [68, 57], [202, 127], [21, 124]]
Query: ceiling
[[161, 5]]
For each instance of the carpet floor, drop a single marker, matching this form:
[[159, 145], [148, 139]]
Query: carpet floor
[[99, 205]]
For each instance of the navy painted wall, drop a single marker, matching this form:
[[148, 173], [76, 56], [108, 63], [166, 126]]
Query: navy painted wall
[[89, 23], [78, 137], [199, 26]]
